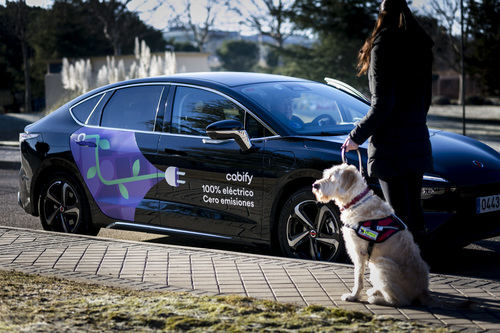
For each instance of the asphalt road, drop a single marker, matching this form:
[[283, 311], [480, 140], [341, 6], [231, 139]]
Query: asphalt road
[[479, 260]]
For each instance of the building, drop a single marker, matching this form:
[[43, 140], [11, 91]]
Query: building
[[446, 83], [56, 95]]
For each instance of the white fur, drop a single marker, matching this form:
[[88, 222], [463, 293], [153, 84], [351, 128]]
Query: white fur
[[397, 271]]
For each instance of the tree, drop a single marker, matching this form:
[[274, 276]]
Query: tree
[[181, 47], [16, 30], [443, 50], [11, 65], [341, 26], [22, 33], [484, 23], [67, 29], [18, 18], [238, 55], [111, 14], [326, 58], [200, 30], [269, 18], [448, 13]]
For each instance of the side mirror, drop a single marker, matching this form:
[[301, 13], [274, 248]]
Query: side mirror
[[229, 129]]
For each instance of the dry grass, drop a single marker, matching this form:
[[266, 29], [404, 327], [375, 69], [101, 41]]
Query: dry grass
[[35, 303]]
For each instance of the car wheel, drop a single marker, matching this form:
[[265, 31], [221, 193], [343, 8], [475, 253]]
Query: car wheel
[[64, 207], [309, 229]]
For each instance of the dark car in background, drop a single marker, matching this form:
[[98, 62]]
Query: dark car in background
[[230, 156]]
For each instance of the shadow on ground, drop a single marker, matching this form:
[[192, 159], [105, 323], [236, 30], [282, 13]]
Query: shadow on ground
[[467, 262]]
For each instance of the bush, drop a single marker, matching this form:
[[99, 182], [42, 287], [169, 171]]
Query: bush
[[477, 100], [441, 100], [238, 55]]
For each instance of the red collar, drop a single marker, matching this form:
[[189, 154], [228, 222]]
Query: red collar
[[356, 199]]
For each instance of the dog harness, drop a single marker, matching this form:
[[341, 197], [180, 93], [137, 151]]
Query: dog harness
[[378, 231]]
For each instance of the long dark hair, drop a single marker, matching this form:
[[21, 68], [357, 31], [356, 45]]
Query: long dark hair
[[393, 15]]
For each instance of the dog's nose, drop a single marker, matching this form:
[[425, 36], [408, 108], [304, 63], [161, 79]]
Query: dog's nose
[[316, 186]]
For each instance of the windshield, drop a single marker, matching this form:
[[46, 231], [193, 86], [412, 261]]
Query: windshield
[[308, 108]]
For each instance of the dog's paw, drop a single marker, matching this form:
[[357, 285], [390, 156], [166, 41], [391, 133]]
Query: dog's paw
[[373, 292], [349, 298], [379, 300]]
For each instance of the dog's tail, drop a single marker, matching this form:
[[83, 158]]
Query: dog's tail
[[427, 299]]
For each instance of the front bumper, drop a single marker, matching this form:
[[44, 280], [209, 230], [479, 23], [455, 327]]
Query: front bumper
[[452, 216], [23, 195]]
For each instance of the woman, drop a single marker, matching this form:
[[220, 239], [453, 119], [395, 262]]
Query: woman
[[398, 60]]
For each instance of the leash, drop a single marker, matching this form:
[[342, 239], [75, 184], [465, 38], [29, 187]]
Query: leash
[[371, 243], [344, 160]]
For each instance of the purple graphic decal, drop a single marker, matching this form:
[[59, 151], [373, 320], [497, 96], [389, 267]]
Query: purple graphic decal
[[114, 169]]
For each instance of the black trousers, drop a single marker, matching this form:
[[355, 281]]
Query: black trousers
[[403, 193]]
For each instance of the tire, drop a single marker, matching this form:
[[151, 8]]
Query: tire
[[64, 206], [311, 230]]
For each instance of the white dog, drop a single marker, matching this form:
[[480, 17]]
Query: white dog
[[397, 272]]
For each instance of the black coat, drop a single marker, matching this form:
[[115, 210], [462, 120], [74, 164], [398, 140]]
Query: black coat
[[400, 78]]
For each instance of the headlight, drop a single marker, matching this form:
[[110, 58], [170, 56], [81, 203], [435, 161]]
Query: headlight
[[435, 186], [434, 179]]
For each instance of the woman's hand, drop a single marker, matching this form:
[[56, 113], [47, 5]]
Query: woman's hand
[[349, 145]]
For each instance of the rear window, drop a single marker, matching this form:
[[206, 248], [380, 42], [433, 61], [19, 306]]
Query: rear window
[[133, 108], [83, 110]]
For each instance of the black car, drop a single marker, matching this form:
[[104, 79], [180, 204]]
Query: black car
[[230, 156]]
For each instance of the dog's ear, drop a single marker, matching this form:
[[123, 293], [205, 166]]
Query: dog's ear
[[348, 178], [328, 172]]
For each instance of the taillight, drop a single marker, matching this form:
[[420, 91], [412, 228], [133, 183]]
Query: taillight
[[27, 136]]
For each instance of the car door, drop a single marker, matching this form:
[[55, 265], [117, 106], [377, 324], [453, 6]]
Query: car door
[[116, 158], [212, 187]]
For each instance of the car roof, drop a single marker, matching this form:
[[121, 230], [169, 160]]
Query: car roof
[[233, 79], [228, 79], [217, 80]]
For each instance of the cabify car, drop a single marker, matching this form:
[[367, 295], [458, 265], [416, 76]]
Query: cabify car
[[230, 156]]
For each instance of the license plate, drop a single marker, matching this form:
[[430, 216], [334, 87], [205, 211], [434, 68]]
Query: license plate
[[488, 204]]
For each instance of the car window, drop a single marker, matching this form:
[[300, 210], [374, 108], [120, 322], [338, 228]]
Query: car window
[[132, 108], [194, 109], [83, 110], [307, 108], [255, 129]]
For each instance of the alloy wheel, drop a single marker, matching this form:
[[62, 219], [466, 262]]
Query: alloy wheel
[[62, 207], [313, 231]]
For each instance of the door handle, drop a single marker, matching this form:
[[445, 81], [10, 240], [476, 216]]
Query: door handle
[[174, 152], [87, 143], [214, 142]]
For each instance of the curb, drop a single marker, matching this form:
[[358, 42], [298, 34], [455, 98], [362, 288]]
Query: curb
[[9, 143], [183, 247], [10, 165], [321, 264]]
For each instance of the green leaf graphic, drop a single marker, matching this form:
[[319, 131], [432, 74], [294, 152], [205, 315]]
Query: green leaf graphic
[[91, 172], [104, 144], [136, 168], [123, 191]]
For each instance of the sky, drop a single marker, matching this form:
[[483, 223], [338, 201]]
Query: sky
[[159, 17]]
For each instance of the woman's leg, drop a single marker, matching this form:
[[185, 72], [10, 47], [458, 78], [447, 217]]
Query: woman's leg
[[403, 193]]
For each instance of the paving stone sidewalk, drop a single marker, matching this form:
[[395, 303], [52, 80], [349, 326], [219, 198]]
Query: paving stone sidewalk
[[157, 267]]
